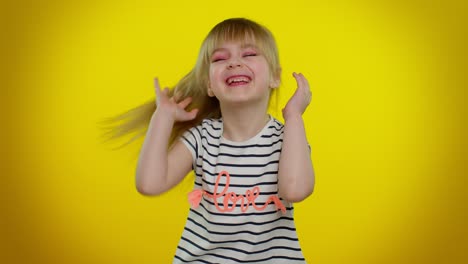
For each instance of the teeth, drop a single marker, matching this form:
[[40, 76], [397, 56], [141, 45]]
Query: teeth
[[237, 79]]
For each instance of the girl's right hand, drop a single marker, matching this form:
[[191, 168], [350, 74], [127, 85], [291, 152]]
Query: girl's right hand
[[170, 105]]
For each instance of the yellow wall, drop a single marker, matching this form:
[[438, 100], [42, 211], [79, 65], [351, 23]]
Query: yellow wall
[[386, 126]]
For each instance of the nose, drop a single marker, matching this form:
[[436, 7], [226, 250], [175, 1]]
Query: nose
[[233, 63]]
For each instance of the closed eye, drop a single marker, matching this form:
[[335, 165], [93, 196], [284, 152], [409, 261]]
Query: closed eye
[[217, 59], [250, 54]]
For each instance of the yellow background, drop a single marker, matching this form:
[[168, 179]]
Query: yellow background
[[386, 124]]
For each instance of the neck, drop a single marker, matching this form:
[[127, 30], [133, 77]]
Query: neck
[[242, 123]]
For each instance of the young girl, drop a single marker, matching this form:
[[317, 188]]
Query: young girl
[[249, 167]]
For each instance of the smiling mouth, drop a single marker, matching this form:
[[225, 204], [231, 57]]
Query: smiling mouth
[[238, 80]]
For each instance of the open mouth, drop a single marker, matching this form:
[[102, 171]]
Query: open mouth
[[238, 80]]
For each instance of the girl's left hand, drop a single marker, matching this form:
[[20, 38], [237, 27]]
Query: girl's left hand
[[298, 103]]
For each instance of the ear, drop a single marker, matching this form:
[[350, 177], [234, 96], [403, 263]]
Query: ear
[[275, 80], [209, 91], [274, 83]]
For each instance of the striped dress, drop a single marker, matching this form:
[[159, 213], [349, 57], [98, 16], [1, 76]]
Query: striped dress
[[238, 217]]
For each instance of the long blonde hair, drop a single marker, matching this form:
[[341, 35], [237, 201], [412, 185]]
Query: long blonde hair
[[195, 83]]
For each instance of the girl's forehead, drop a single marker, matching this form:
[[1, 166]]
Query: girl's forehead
[[246, 42], [241, 44], [240, 40]]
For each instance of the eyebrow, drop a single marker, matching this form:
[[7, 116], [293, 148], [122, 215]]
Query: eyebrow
[[244, 46]]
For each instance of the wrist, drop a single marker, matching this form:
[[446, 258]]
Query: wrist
[[295, 121], [292, 116], [163, 115]]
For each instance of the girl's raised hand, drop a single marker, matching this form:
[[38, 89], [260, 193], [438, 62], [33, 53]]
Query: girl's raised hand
[[299, 101], [171, 106]]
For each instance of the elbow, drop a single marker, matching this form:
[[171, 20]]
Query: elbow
[[147, 188], [296, 197], [144, 190], [298, 194], [296, 183]]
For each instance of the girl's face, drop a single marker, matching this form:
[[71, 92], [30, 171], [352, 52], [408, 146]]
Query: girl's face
[[239, 73]]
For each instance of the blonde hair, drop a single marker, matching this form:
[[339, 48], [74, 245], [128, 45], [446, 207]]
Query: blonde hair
[[195, 83]]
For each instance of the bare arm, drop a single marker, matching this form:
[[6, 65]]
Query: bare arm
[[296, 177], [158, 169]]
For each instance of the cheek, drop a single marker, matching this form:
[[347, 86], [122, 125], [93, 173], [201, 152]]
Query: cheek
[[210, 75], [214, 74], [212, 71], [211, 79]]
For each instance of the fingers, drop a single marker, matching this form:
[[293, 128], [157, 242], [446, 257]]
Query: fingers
[[186, 116], [192, 114], [184, 103], [303, 85], [156, 87], [301, 81], [165, 99]]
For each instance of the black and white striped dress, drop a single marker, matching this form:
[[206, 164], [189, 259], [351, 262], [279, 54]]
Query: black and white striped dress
[[237, 220]]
